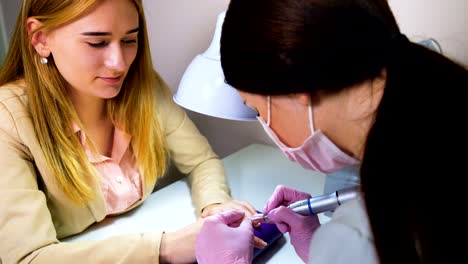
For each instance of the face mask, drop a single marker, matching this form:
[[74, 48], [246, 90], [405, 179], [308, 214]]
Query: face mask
[[316, 153]]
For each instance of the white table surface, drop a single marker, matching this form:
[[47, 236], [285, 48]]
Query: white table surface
[[253, 173]]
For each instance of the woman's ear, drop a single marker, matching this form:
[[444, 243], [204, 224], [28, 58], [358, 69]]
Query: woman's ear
[[38, 38], [378, 83], [304, 98]]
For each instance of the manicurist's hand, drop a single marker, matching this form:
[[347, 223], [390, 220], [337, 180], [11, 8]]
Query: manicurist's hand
[[235, 205], [225, 238], [300, 228]]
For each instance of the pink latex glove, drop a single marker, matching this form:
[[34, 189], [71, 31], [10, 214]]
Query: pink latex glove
[[300, 228], [223, 240]]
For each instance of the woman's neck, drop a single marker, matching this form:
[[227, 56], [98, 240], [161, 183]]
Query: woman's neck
[[90, 110], [97, 124]]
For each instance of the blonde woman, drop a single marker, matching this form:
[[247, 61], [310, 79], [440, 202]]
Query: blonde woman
[[86, 128]]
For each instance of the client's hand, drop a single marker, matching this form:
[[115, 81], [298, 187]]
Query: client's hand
[[300, 228], [223, 240], [237, 205], [179, 246]]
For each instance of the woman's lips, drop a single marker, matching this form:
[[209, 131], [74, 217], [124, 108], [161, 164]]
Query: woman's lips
[[111, 80]]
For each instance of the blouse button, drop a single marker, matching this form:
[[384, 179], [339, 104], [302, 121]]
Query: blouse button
[[119, 179]]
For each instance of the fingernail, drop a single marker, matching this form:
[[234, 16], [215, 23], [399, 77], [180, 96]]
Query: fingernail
[[264, 244], [257, 217]]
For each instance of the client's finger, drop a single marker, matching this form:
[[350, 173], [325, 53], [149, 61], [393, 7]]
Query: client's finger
[[259, 243], [231, 217]]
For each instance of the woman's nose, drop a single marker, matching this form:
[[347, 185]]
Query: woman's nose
[[115, 59]]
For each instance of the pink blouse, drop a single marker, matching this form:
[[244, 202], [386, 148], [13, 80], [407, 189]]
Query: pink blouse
[[120, 183]]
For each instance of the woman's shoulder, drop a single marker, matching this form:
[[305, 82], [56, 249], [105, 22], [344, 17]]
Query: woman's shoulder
[[346, 238], [13, 106], [354, 216], [13, 96], [349, 220]]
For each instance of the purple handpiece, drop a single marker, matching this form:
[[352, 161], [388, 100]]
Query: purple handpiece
[[269, 233]]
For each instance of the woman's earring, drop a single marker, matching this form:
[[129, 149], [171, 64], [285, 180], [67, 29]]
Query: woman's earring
[[44, 60]]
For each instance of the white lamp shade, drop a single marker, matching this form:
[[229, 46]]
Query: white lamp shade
[[202, 88]]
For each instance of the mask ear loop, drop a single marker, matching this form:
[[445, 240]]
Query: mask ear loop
[[311, 120], [268, 111]]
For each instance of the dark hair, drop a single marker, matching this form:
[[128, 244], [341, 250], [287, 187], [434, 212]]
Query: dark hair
[[280, 47]]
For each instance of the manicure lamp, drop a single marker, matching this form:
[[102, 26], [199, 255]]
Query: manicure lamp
[[202, 88]]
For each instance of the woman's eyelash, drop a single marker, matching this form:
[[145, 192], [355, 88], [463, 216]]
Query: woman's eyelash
[[104, 43], [97, 44], [129, 41]]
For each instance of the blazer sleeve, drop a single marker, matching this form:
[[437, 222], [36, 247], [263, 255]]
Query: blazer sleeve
[[192, 154], [27, 232]]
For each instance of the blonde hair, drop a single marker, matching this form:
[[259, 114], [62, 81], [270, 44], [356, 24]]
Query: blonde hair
[[52, 109]]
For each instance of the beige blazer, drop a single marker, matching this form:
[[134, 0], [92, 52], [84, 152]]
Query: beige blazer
[[35, 214]]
